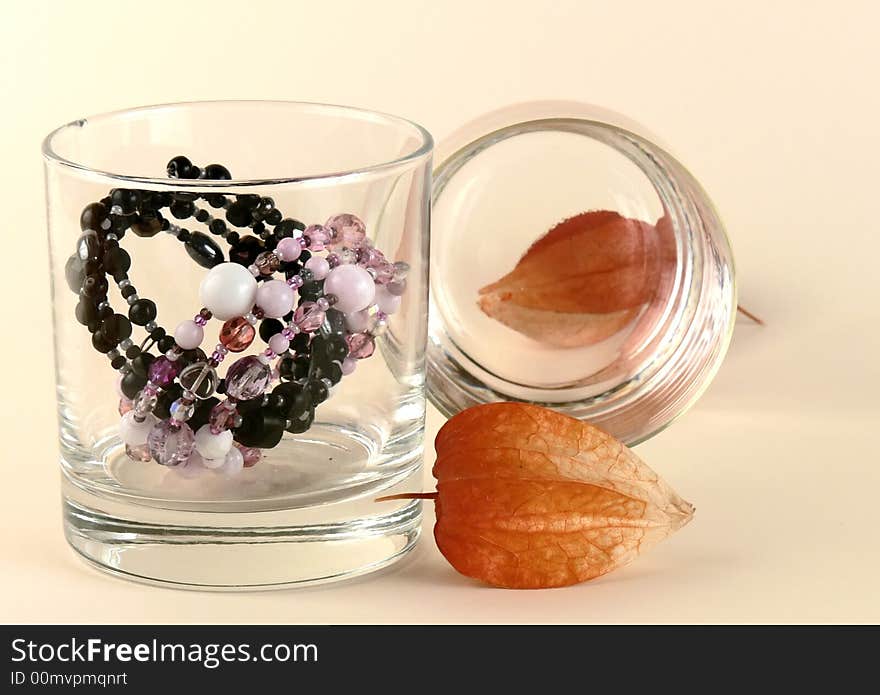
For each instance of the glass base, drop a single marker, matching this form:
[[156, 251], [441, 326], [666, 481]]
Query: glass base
[[241, 551]]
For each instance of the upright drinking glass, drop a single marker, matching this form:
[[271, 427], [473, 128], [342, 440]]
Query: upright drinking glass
[[305, 511]]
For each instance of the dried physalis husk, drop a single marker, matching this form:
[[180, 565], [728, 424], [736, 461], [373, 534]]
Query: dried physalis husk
[[528, 498], [582, 282]]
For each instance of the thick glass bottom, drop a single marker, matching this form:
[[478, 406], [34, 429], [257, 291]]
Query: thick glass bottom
[[230, 551]]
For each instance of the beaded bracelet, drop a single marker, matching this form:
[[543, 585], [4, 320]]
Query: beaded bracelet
[[318, 321]]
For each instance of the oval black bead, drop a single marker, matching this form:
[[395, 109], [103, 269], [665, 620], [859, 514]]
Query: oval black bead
[[74, 273], [298, 398], [93, 217], [142, 311], [88, 246], [204, 250], [300, 424], [132, 383], [261, 427], [148, 224], [270, 327], [141, 363]]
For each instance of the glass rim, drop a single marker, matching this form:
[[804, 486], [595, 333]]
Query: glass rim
[[424, 148]]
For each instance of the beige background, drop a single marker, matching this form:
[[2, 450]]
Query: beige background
[[773, 105]]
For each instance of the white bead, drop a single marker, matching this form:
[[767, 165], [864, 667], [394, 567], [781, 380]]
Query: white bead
[[233, 463], [353, 286], [135, 433], [357, 321], [189, 335], [213, 446], [387, 302], [193, 468], [213, 464], [228, 290]]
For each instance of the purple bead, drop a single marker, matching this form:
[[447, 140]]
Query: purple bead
[[279, 344], [332, 260], [275, 298], [348, 365], [288, 249], [319, 267], [295, 282], [223, 416], [318, 235], [247, 378], [308, 317], [348, 231], [360, 345], [171, 443], [353, 287], [163, 371]]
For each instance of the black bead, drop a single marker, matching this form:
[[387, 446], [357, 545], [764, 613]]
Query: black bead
[[300, 424], [245, 252], [285, 368], [217, 172], [117, 362], [127, 291], [116, 327], [304, 256], [169, 394], [204, 250], [166, 343], [142, 312], [105, 312], [184, 196], [238, 214], [261, 427], [74, 273], [300, 342], [101, 343], [179, 167], [117, 260], [232, 237], [274, 217], [333, 372], [93, 216], [277, 401], [132, 383], [86, 311], [217, 227], [183, 236], [201, 413], [89, 247], [202, 216], [259, 229], [127, 199], [182, 209], [157, 333], [221, 386], [329, 348], [297, 398], [147, 224], [319, 391], [132, 352], [311, 291], [216, 200], [270, 327], [93, 267], [95, 286], [191, 357], [301, 367], [287, 226], [334, 320], [141, 363]]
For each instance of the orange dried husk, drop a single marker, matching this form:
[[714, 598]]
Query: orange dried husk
[[582, 282], [528, 498]]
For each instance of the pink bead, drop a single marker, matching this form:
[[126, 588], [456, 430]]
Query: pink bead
[[348, 230], [308, 317], [125, 405], [278, 344], [348, 365], [237, 334], [251, 455], [288, 249], [358, 321], [295, 282], [360, 345], [319, 267], [353, 287], [275, 298], [223, 416], [171, 443], [162, 371], [318, 236], [387, 302], [189, 335]]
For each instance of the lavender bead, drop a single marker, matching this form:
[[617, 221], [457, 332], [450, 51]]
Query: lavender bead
[[247, 378], [279, 344], [319, 267], [275, 298], [318, 236], [348, 365], [171, 444], [288, 249], [387, 302], [162, 371], [353, 287], [189, 335], [233, 463], [348, 230]]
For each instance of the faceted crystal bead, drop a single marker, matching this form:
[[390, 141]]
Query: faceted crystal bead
[[247, 378], [162, 371], [125, 405], [308, 317], [199, 378], [224, 416], [267, 263], [348, 231], [401, 270], [141, 453], [182, 410], [171, 443], [144, 403], [318, 237], [360, 345], [251, 454], [237, 334]]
